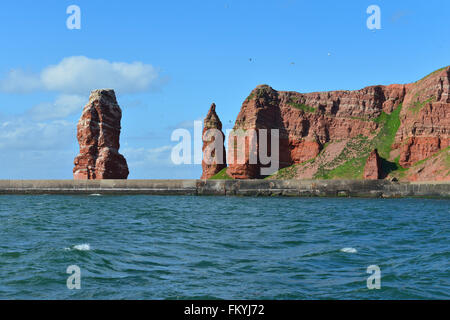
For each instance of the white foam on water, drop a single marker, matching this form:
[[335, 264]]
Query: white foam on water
[[349, 250], [82, 247], [95, 195]]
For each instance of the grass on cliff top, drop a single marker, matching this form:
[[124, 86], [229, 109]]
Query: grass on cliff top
[[221, 175], [434, 72], [259, 92]]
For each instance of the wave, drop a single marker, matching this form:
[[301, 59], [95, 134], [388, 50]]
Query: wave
[[349, 250], [80, 247]]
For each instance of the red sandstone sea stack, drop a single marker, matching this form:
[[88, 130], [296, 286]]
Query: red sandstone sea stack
[[214, 158], [98, 133], [372, 169]]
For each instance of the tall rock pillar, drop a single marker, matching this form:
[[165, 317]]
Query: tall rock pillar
[[214, 156], [98, 133]]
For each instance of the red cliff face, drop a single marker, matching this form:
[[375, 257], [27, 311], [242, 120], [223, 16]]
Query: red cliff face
[[98, 134], [309, 122], [214, 159], [425, 118], [372, 169]]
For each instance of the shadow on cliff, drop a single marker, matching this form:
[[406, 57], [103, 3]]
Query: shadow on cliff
[[272, 115], [387, 167]]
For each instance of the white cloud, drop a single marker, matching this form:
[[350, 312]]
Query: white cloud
[[17, 81], [64, 105], [22, 134], [80, 75], [142, 156], [45, 150], [37, 164], [156, 163], [188, 124]]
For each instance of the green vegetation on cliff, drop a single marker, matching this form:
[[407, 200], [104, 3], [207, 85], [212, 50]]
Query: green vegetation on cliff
[[250, 97], [434, 72], [288, 172], [447, 156], [442, 155], [260, 92], [301, 106], [352, 169], [389, 124], [285, 173], [355, 153], [350, 162], [419, 105], [221, 175]]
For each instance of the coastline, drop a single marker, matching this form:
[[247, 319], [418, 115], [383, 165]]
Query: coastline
[[291, 188]]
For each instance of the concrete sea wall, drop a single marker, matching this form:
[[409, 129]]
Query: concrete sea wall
[[295, 188]]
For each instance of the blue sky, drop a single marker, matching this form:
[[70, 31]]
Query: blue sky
[[169, 60]]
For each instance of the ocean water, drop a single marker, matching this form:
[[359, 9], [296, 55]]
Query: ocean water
[[185, 247]]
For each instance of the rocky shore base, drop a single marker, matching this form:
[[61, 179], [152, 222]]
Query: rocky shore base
[[292, 188]]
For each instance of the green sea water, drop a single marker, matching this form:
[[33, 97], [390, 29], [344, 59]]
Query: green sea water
[[186, 247]]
